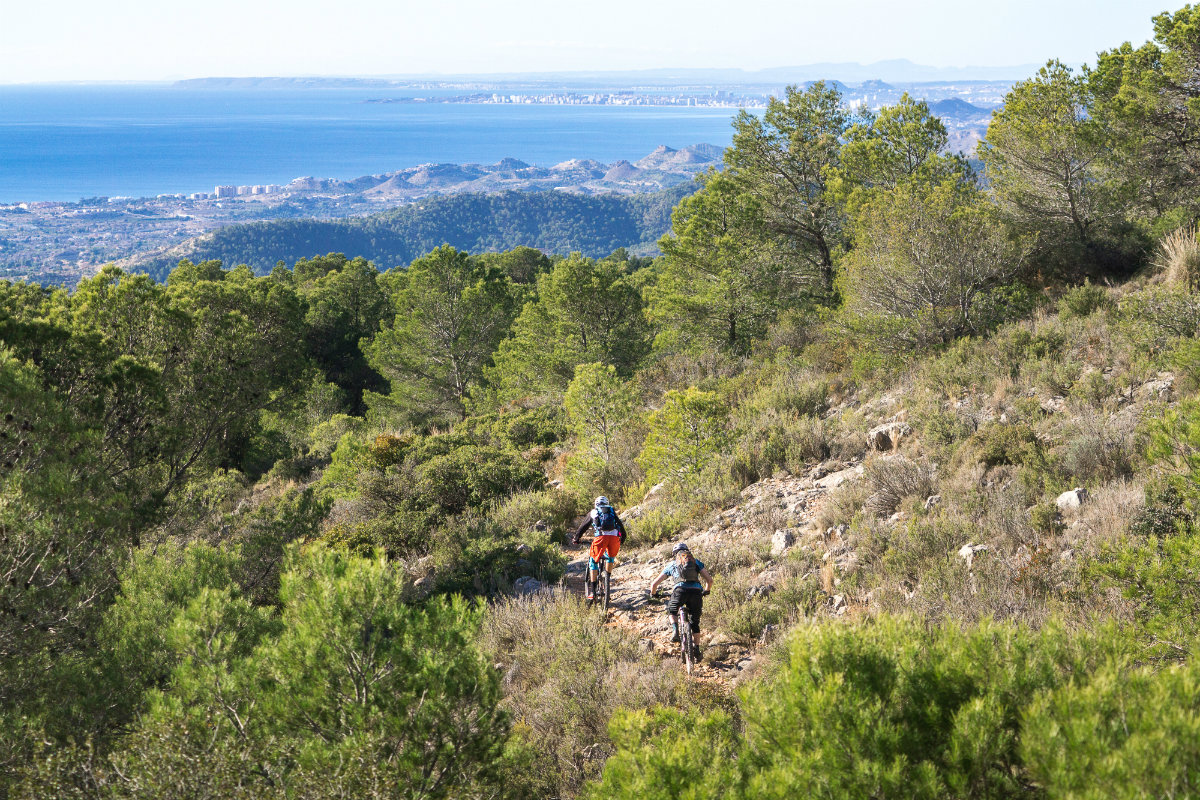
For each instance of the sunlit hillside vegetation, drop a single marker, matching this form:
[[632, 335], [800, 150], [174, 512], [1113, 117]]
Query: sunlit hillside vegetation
[[259, 535]]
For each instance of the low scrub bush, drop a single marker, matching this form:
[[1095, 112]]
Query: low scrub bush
[[1015, 443], [887, 709], [1122, 734], [1082, 301], [893, 479], [773, 444], [563, 676]]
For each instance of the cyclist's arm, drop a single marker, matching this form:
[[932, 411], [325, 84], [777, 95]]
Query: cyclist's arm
[[587, 523], [706, 578], [654, 583]]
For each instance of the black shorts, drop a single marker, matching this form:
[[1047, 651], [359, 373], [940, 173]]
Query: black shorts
[[693, 599]]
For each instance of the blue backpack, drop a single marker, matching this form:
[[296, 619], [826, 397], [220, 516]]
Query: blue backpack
[[606, 519]]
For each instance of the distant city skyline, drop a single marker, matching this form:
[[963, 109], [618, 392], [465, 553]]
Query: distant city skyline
[[141, 40]]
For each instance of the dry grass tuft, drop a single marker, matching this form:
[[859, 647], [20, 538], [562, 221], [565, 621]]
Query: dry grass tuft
[[1179, 258], [894, 479]]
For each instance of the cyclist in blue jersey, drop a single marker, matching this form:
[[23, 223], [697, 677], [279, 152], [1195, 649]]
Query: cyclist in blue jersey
[[692, 582]]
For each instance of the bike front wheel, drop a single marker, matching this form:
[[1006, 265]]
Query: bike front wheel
[[685, 641]]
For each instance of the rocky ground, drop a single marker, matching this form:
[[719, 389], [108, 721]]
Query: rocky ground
[[774, 515]]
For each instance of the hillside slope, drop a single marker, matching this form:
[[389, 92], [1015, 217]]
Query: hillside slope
[[556, 222]]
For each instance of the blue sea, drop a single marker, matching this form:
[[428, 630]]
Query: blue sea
[[69, 142]]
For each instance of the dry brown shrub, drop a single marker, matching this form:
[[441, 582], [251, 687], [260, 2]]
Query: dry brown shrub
[[560, 668], [892, 480], [1179, 258], [843, 503], [1106, 514]]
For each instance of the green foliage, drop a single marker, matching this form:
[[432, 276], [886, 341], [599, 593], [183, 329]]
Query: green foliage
[[887, 709], [345, 305], [668, 754], [1043, 156], [784, 160], [776, 442], [566, 676], [451, 313], [1121, 734], [924, 262], [1080, 301], [1015, 443], [1144, 96], [723, 279], [586, 312], [600, 409], [686, 433], [900, 144]]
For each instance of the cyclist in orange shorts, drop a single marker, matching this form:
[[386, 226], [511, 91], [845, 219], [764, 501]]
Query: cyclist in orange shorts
[[608, 536]]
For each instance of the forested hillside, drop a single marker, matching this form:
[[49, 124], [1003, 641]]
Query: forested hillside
[[937, 432], [554, 222]]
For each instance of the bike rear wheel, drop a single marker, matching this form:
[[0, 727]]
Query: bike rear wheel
[[605, 588]]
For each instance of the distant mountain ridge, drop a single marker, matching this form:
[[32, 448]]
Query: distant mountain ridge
[[660, 169], [897, 70], [554, 222]]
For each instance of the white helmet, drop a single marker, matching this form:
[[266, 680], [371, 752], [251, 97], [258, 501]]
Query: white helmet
[[602, 501]]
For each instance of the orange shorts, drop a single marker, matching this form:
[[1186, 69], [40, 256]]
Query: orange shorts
[[604, 545]]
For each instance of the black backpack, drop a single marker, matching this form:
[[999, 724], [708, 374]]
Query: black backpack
[[689, 573], [606, 519]]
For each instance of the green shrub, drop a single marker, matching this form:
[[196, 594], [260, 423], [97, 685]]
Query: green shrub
[[1082, 301], [890, 708], [1014, 443], [773, 444], [1121, 734], [685, 434], [1045, 519], [554, 507], [893, 479], [667, 754]]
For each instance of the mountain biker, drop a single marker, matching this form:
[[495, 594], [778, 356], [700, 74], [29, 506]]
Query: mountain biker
[[687, 573], [608, 536]]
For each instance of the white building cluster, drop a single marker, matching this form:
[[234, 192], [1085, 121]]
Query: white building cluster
[[221, 192]]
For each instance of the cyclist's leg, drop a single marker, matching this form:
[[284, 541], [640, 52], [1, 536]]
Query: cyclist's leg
[[695, 605], [595, 555], [673, 612]]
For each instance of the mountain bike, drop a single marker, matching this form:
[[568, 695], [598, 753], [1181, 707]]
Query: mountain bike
[[687, 644], [602, 592], [687, 639]]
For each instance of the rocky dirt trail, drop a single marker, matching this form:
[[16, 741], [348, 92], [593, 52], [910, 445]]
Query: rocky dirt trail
[[779, 513]]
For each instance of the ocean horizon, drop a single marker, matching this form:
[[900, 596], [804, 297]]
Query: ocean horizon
[[67, 142]]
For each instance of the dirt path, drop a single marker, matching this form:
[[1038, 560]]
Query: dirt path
[[774, 515], [631, 608]]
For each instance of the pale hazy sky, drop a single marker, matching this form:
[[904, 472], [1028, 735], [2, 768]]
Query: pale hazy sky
[[79, 40]]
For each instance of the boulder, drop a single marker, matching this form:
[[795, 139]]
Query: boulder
[[1071, 500], [836, 479], [967, 552], [1054, 405], [523, 549], [781, 541], [527, 585], [887, 436]]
